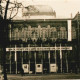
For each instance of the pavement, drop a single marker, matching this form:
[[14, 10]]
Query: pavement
[[56, 76]]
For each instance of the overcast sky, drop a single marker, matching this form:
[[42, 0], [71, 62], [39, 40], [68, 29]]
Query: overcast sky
[[63, 8]]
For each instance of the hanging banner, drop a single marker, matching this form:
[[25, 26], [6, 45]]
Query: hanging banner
[[25, 68], [69, 30], [53, 68], [38, 67]]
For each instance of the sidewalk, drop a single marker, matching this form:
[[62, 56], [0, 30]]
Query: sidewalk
[[43, 77]]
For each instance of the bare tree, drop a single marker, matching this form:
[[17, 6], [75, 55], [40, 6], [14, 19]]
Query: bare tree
[[4, 28]]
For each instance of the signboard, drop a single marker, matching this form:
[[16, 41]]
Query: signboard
[[69, 30], [38, 67], [38, 48], [53, 68], [25, 68]]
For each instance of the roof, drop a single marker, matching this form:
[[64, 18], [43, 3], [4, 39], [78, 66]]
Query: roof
[[38, 10], [42, 20], [77, 16]]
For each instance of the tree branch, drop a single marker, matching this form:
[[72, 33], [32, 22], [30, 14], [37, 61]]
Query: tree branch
[[17, 5], [5, 15], [14, 15]]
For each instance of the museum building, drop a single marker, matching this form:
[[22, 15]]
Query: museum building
[[42, 43]]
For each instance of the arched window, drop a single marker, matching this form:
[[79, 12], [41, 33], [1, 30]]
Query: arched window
[[73, 33], [53, 32], [62, 34]]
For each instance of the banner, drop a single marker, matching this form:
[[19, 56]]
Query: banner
[[53, 68], [38, 67], [25, 68], [38, 48], [69, 30]]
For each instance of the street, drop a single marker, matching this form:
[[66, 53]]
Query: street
[[44, 77]]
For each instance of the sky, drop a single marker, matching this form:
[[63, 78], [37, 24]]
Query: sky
[[63, 8]]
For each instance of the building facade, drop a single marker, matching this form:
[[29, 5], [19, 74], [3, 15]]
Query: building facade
[[43, 46]]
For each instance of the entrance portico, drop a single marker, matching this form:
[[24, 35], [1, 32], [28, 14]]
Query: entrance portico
[[38, 59]]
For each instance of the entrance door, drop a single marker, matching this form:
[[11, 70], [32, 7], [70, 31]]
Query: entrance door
[[46, 68], [45, 63]]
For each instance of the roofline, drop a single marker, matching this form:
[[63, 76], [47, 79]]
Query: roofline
[[63, 19]]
